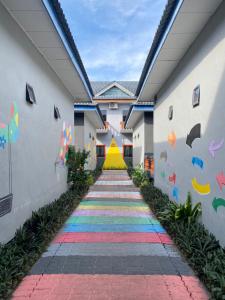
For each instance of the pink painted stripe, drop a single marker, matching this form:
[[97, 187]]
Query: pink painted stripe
[[112, 237], [114, 177], [113, 213], [95, 287], [112, 195]]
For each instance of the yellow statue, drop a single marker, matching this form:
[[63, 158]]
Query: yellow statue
[[114, 159]]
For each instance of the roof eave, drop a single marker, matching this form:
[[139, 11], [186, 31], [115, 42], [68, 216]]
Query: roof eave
[[57, 16], [169, 15]]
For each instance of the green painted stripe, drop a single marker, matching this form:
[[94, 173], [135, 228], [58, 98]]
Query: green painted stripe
[[113, 203], [110, 220]]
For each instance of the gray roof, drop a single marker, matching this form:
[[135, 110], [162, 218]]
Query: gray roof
[[97, 86]]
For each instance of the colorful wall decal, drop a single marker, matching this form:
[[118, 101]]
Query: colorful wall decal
[[163, 174], [172, 178], [217, 202], [213, 147], [202, 189], [65, 141], [175, 193], [197, 161], [114, 159], [172, 139], [194, 134], [220, 178], [9, 132], [163, 155]]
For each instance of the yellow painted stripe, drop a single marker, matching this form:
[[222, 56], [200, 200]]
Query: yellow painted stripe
[[127, 208]]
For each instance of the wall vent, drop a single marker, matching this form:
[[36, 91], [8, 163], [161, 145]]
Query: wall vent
[[6, 204]]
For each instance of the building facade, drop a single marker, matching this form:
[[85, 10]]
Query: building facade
[[41, 74], [188, 85], [114, 100]]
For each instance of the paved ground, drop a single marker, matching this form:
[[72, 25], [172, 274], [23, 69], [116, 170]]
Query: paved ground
[[111, 248]]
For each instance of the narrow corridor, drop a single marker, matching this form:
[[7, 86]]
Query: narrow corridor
[[111, 247]]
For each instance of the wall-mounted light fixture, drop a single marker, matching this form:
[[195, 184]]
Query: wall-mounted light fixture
[[170, 113], [196, 96], [30, 96], [56, 113]]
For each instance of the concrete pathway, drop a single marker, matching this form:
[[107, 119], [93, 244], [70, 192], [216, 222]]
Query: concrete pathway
[[111, 247]]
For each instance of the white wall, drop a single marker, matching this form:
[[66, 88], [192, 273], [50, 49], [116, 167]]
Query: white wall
[[90, 143], [114, 117], [139, 142], [36, 179], [204, 64]]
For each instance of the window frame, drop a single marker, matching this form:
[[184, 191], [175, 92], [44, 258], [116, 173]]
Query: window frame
[[101, 146], [130, 146]]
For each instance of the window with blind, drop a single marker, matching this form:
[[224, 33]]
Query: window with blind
[[127, 151], [100, 150]]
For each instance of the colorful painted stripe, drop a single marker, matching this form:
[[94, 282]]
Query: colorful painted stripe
[[112, 228], [112, 237], [116, 183], [113, 203], [112, 213], [110, 220], [105, 194], [115, 207]]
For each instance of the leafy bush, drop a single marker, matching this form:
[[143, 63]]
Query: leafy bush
[[77, 177], [139, 176], [185, 212], [200, 247], [18, 255]]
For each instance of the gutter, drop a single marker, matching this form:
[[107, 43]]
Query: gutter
[[169, 15], [137, 107], [90, 107], [57, 16]]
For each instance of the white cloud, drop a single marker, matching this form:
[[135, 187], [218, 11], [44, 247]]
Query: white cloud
[[119, 34]]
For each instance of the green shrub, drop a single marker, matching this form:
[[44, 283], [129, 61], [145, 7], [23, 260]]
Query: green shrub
[[201, 249], [139, 176], [185, 212], [77, 177], [19, 254]]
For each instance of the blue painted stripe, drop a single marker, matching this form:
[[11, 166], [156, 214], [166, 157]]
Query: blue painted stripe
[[113, 228]]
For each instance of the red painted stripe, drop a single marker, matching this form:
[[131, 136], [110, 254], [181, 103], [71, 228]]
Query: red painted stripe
[[112, 237], [74, 287]]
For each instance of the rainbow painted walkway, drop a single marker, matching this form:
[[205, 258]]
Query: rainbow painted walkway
[[111, 247]]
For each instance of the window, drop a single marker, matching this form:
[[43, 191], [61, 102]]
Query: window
[[30, 96], [100, 150], [127, 151]]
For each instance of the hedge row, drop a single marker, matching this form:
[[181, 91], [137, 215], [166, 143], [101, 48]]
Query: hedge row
[[200, 248], [18, 255]]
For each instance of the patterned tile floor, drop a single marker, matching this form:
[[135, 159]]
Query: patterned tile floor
[[111, 248]]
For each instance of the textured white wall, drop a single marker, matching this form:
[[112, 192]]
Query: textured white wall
[[139, 142], [114, 117], [203, 64], [36, 179], [90, 143]]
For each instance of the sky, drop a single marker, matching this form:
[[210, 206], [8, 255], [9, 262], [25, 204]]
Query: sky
[[113, 36]]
